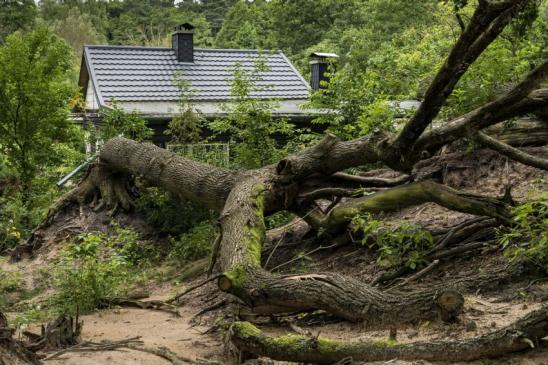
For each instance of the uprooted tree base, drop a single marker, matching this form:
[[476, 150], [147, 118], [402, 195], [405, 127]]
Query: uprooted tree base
[[301, 181]]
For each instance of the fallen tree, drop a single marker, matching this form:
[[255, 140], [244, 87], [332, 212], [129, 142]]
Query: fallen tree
[[523, 334], [244, 198]]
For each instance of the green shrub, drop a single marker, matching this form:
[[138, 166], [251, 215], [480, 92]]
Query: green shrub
[[528, 238], [115, 121], [87, 274], [9, 283], [127, 244], [278, 219], [193, 245], [168, 215], [402, 245]]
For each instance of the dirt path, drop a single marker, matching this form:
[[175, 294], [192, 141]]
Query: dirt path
[[156, 329]]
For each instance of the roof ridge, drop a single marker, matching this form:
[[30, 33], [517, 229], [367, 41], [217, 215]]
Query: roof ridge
[[243, 50]]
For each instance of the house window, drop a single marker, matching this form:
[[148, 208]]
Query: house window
[[217, 154]]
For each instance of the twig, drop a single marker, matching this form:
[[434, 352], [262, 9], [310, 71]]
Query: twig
[[178, 296], [319, 193], [444, 241], [373, 181], [306, 254], [210, 308], [274, 249], [460, 249], [93, 346], [418, 275], [164, 353]]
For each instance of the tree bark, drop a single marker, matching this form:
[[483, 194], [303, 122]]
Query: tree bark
[[522, 334]]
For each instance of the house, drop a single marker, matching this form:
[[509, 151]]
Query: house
[[141, 79]]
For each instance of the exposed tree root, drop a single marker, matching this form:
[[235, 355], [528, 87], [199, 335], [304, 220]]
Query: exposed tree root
[[90, 346], [106, 190], [241, 246], [409, 195], [11, 350], [164, 353], [62, 332], [520, 335]]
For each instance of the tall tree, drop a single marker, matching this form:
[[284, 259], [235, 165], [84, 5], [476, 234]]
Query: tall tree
[[77, 30], [34, 100], [16, 15], [247, 25]]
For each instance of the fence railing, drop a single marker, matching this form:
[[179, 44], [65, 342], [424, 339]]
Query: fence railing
[[217, 154]]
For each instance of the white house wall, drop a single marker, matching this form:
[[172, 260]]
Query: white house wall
[[92, 102], [285, 107]]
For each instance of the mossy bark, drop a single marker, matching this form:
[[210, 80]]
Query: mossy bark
[[520, 335]]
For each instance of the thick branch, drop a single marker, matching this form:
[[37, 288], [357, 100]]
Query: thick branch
[[405, 196], [520, 335], [372, 181], [486, 24], [522, 99], [329, 156], [511, 152]]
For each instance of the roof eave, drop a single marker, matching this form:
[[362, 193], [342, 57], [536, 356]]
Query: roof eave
[[91, 72]]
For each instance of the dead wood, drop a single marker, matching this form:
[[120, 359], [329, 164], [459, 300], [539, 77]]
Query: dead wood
[[90, 346], [164, 353], [192, 288], [372, 181], [511, 152], [12, 350], [149, 304], [522, 334], [221, 303], [418, 275], [60, 333]]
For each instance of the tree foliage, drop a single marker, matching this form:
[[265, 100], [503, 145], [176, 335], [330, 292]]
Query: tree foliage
[[249, 121], [16, 15], [35, 97]]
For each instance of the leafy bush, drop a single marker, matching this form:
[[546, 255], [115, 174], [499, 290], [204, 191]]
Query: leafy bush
[[278, 219], [185, 127], [9, 283], [528, 239], [86, 275], [193, 245], [127, 244], [115, 121], [168, 215], [402, 245]]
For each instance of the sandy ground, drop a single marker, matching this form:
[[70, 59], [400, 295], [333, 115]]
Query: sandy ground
[[156, 329]]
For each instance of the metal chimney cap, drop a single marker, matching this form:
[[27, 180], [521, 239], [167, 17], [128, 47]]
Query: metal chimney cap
[[185, 27], [324, 55]]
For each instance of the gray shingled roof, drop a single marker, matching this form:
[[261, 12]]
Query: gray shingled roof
[[146, 74]]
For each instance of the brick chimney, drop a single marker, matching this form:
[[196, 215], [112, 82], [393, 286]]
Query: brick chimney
[[183, 42]]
